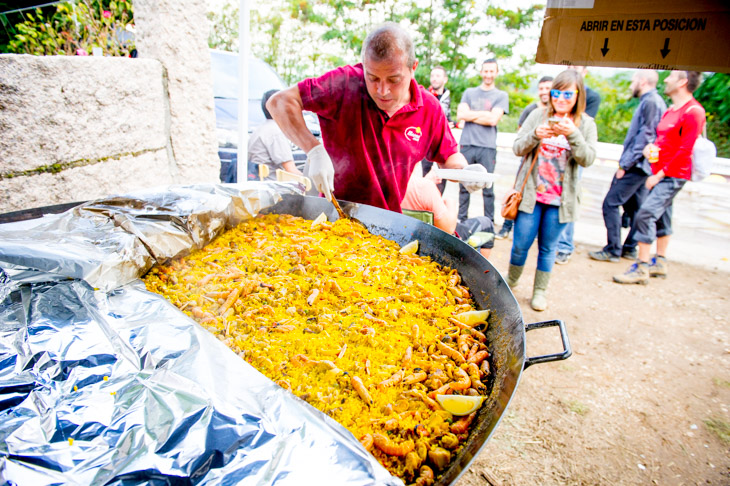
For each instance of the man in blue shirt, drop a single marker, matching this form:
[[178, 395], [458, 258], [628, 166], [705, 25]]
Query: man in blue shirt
[[633, 167]]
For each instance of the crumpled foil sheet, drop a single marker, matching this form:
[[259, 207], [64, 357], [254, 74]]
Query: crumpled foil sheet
[[102, 382]]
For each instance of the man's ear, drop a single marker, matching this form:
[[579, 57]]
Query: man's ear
[[415, 65]]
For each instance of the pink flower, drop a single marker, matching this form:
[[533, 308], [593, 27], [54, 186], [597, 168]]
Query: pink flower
[[81, 52], [107, 14]]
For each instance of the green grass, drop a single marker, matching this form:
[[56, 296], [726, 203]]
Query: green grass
[[719, 427]]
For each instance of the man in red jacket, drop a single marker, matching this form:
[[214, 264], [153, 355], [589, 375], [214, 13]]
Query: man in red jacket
[[677, 132]]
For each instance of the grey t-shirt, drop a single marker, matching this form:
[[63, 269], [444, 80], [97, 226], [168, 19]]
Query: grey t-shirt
[[480, 100], [269, 146]]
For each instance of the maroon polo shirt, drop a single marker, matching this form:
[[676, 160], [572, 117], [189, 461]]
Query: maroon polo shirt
[[374, 154]]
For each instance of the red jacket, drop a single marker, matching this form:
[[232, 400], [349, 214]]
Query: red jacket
[[676, 135]]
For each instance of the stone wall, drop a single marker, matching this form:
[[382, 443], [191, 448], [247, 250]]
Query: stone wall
[[78, 128]]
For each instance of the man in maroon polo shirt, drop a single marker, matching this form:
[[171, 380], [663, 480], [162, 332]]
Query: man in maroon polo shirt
[[376, 122]]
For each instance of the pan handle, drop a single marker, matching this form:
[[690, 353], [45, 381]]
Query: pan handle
[[567, 351]]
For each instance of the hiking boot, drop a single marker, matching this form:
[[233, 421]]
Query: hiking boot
[[539, 291], [503, 233], [632, 254], [562, 258], [658, 267], [513, 275], [603, 256], [638, 273]]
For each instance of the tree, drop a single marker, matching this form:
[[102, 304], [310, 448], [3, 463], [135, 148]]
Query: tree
[[75, 28], [712, 93]]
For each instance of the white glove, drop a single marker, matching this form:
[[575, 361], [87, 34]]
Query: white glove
[[475, 186], [319, 168]]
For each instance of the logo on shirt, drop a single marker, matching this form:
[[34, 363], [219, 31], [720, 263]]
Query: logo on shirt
[[413, 134]]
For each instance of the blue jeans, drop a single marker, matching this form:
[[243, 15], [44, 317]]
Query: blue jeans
[[544, 223]]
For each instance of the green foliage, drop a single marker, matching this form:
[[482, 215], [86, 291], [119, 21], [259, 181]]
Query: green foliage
[[713, 94], [617, 106], [76, 28]]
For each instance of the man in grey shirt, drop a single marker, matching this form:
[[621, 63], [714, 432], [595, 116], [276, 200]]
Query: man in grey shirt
[[481, 108], [269, 146]]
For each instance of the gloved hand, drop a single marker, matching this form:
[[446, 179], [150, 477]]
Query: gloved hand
[[475, 186], [319, 168]]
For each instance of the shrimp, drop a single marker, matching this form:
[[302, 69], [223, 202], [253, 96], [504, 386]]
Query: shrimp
[[393, 380], [462, 380], [462, 343], [367, 442], [450, 352], [391, 448], [415, 334], [425, 478], [478, 357], [232, 297], [412, 464], [361, 390], [407, 356], [476, 382], [462, 425], [415, 378]]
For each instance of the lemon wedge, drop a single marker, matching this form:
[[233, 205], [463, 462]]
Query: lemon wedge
[[319, 220], [459, 404], [410, 249], [472, 318]]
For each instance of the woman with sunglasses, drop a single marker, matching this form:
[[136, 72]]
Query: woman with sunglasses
[[559, 138]]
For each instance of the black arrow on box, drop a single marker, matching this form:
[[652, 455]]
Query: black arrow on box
[[605, 48], [666, 49]]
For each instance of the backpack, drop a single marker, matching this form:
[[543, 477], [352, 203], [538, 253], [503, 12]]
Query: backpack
[[703, 156]]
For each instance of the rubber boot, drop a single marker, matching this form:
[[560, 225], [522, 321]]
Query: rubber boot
[[513, 275], [539, 291]]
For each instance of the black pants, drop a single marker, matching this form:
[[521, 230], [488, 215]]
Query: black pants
[[426, 167], [629, 191], [487, 158]]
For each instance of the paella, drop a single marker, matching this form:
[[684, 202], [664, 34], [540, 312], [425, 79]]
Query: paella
[[385, 341]]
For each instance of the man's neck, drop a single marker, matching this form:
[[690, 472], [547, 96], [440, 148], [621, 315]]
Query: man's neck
[[680, 99], [540, 104], [439, 91], [486, 87]]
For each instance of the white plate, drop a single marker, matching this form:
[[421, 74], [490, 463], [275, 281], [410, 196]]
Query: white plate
[[463, 175]]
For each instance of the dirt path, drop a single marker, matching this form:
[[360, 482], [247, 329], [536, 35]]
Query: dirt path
[[645, 397]]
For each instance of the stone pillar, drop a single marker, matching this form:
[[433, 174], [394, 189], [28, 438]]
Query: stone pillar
[[175, 32]]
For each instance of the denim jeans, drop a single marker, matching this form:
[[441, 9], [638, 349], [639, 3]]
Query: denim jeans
[[654, 218], [544, 223]]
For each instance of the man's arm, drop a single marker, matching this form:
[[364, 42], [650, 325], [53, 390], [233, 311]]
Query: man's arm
[[646, 133], [286, 108], [487, 118], [291, 168], [455, 161]]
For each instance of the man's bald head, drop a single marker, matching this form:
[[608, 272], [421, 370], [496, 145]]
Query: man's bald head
[[388, 42], [650, 76], [644, 80]]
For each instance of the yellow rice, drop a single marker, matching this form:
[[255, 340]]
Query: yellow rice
[[317, 308]]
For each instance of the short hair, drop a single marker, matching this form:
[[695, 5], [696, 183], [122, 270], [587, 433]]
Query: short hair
[[386, 42], [491, 60], [649, 75], [694, 78], [264, 99], [562, 81], [439, 67], [545, 79]]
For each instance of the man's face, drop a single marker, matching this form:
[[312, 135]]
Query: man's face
[[388, 82], [543, 91], [636, 85], [581, 70], [489, 73], [673, 82], [438, 78]]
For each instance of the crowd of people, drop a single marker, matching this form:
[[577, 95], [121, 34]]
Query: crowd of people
[[377, 124]]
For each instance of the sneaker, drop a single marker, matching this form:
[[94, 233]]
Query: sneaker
[[562, 258], [503, 233], [638, 273], [603, 256], [658, 267], [630, 254]]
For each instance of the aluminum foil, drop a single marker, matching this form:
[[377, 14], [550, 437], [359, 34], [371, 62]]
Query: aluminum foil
[[102, 382]]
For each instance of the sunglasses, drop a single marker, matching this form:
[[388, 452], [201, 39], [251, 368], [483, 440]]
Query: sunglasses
[[555, 93]]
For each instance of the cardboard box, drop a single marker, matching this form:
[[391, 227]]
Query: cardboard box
[[648, 34]]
